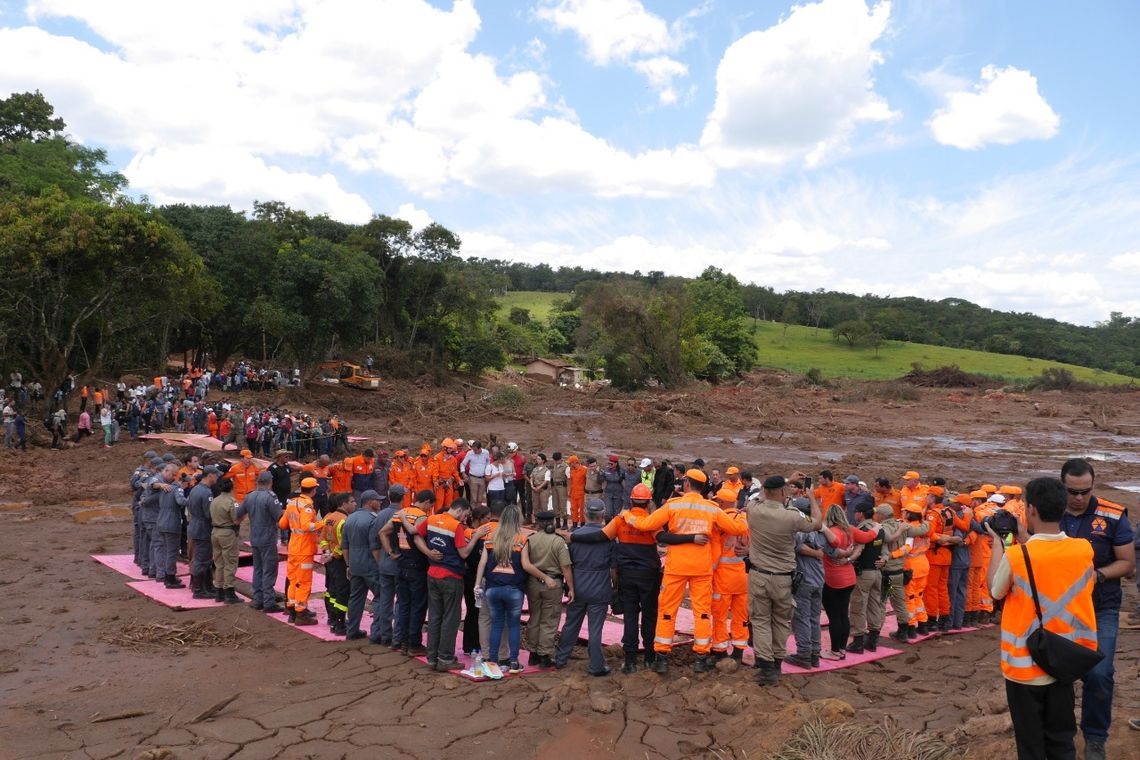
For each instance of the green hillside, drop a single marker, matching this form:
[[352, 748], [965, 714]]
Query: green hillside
[[803, 349]]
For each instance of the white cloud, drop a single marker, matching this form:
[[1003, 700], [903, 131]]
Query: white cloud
[[210, 175], [1126, 262], [623, 31], [416, 217], [798, 89], [1003, 108]]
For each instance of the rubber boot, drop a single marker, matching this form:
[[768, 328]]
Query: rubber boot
[[292, 617], [650, 659], [305, 617], [219, 595], [202, 592], [195, 584], [912, 632], [630, 665], [738, 655], [660, 664], [768, 675], [944, 623], [856, 645], [208, 577], [902, 635], [872, 641], [173, 582], [230, 597], [702, 664]]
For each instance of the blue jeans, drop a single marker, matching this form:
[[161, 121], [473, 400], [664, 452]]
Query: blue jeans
[[265, 561], [1096, 698], [506, 609], [382, 609]]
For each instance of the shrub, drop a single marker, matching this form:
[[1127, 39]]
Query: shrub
[[508, 397]]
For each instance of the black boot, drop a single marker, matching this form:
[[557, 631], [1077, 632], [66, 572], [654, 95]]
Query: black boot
[[292, 617], [769, 675], [208, 578], [173, 582], [872, 641], [944, 623], [202, 592], [630, 665], [230, 597], [738, 655], [195, 583], [702, 664], [856, 645], [219, 595], [660, 664]]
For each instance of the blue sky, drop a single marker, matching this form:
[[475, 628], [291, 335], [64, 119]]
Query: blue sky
[[935, 148]]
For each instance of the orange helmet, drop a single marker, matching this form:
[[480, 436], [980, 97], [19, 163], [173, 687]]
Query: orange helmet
[[425, 449], [641, 492]]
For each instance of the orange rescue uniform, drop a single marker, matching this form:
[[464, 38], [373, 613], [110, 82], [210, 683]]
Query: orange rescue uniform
[[400, 473], [829, 495], [446, 480], [341, 473], [244, 477], [687, 566], [577, 485], [729, 588], [305, 527], [423, 476], [919, 565]]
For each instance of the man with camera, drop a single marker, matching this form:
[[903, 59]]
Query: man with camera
[[1057, 570]]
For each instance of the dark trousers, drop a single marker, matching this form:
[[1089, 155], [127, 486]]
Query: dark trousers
[[336, 588], [166, 553], [383, 609], [510, 493], [639, 590], [835, 604], [359, 586], [1043, 720], [471, 617], [146, 553], [264, 575], [411, 606], [203, 556], [1100, 682], [525, 499], [137, 518], [576, 613], [444, 597]]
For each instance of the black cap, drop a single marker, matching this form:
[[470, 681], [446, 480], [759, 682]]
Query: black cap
[[774, 482], [545, 516], [596, 507]]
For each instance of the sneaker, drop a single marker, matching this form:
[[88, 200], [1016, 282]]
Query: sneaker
[[515, 667], [600, 673], [492, 670]]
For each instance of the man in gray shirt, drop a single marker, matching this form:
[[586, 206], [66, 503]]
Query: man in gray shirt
[[382, 612], [199, 532], [474, 470], [263, 511], [168, 526], [809, 589], [772, 526], [360, 543]]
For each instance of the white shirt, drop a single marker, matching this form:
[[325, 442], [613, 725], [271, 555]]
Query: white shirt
[[495, 477]]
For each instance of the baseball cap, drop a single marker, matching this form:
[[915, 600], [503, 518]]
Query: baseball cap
[[369, 495], [1010, 490], [211, 470], [988, 487], [595, 507], [614, 458], [912, 475], [308, 482], [512, 446], [157, 461], [246, 453], [886, 510], [697, 475], [979, 494], [726, 494], [647, 462], [997, 498], [734, 470], [964, 499], [851, 479], [150, 454]]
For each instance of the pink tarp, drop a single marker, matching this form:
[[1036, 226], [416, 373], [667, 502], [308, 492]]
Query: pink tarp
[[174, 598], [125, 564], [321, 629], [246, 574]]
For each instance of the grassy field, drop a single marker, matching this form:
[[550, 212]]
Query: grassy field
[[803, 349]]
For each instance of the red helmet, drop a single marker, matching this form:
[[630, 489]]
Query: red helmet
[[641, 492]]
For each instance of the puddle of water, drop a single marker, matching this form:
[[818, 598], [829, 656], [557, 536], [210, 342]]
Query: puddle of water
[[106, 514]]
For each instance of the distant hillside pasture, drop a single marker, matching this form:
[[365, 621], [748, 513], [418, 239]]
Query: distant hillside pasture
[[804, 348], [537, 303]]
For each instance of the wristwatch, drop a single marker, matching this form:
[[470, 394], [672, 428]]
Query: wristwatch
[[1100, 577]]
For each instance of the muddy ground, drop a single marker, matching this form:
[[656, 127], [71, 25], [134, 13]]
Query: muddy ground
[[61, 669]]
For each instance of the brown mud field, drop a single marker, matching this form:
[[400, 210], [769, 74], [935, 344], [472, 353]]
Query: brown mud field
[[74, 684]]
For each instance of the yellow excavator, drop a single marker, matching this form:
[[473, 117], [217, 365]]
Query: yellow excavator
[[347, 373]]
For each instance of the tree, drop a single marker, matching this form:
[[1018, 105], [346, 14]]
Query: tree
[[78, 274], [27, 116], [856, 332]]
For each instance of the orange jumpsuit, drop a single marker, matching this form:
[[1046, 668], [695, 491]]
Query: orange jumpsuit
[[937, 594], [423, 476], [892, 497], [341, 473], [729, 588], [400, 473], [977, 591], [916, 497], [244, 478], [577, 485], [305, 527], [829, 495], [687, 566], [212, 425], [919, 565], [446, 480]]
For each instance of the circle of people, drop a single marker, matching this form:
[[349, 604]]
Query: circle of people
[[428, 532]]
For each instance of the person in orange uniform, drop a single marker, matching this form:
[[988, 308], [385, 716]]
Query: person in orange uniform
[[732, 481], [1013, 503], [305, 527], [446, 475], [687, 565], [979, 605], [828, 492], [918, 563], [423, 474], [937, 595], [336, 572], [212, 429], [362, 467], [321, 470], [576, 479], [244, 475], [400, 473], [913, 493], [885, 494], [729, 583], [341, 474]]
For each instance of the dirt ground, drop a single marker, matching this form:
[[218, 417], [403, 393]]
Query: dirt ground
[[303, 698]]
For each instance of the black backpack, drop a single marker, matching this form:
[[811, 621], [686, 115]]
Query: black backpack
[[48, 422]]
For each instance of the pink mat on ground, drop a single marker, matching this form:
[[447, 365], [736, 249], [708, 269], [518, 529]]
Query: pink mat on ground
[[465, 663], [174, 598], [828, 665], [125, 564], [246, 574], [321, 629]]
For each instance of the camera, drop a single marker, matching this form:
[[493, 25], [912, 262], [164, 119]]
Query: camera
[[807, 482], [1002, 521]]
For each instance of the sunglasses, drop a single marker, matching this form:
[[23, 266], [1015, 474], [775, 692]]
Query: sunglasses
[[1079, 491]]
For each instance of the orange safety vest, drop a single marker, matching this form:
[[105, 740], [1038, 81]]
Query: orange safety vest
[[1063, 571], [689, 514], [303, 523], [330, 537]]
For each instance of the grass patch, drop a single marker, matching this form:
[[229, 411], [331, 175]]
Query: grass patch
[[539, 304], [508, 397], [803, 350]]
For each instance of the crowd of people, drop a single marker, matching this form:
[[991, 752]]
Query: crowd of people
[[759, 559]]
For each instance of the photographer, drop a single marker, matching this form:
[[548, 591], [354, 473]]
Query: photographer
[[1042, 708]]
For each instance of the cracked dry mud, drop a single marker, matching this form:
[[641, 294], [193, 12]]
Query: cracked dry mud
[[303, 698]]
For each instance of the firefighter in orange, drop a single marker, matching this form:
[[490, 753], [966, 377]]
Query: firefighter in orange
[[918, 563], [305, 528], [212, 429], [732, 482], [424, 473], [979, 605], [341, 475], [244, 475], [913, 492], [687, 565], [1013, 503], [446, 475], [400, 473], [577, 489], [828, 492], [885, 494], [729, 582], [937, 595]]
